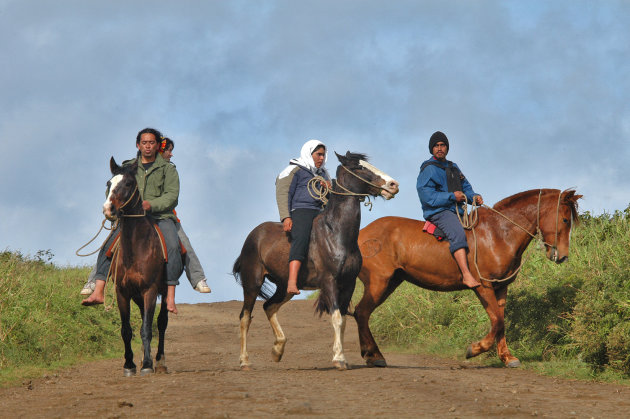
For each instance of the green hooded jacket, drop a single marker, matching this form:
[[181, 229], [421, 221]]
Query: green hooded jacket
[[160, 186]]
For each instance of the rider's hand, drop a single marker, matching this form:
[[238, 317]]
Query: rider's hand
[[146, 205], [287, 224], [459, 196], [478, 199]]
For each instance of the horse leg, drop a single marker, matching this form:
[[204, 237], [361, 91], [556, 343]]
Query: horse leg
[[376, 290], [339, 326], [502, 349], [124, 308], [271, 308], [146, 332], [162, 322], [489, 301], [249, 300]]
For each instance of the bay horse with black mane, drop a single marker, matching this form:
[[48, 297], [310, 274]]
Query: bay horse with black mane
[[138, 269], [395, 249], [332, 263]]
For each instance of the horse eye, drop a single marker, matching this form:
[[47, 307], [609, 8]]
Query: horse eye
[[564, 220]]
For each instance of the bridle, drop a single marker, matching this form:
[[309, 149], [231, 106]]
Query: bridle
[[135, 193], [471, 226], [318, 189]]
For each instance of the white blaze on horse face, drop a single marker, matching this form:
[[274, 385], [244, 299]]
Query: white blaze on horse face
[[107, 206], [390, 187]]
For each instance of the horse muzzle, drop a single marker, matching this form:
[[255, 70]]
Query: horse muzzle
[[390, 189], [554, 256]]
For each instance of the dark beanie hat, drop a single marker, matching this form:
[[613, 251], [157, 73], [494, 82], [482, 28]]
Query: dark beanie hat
[[436, 138]]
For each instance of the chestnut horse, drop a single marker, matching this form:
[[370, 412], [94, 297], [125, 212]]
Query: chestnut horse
[[332, 263], [138, 267], [396, 249]]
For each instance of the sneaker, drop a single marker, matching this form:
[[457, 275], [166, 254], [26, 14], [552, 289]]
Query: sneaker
[[88, 288], [202, 287]]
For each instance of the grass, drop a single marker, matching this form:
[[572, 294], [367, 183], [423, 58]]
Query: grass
[[42, 325]]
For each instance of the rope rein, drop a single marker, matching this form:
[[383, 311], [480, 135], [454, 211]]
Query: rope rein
[[318, 189], [469, 222]]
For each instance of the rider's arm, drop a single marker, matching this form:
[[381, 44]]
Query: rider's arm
[[167, 201], [283, 185], [430, 191]]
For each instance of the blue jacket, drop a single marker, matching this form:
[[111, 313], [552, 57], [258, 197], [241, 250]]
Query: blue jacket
[[433, 192]]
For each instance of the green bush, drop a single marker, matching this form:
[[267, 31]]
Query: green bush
[[42, 323]]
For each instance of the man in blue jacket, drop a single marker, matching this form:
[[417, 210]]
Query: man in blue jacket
[[441, 185]]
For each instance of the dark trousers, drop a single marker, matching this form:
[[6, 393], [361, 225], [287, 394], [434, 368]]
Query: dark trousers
[[448, 222], [301, 232]]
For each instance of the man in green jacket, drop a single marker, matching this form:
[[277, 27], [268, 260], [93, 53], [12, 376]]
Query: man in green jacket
[[158, 184]]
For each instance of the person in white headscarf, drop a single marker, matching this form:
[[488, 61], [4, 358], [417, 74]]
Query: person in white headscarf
[[297, 206]]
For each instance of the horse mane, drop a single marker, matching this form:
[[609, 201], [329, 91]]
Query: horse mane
[[355, 157], [566, 199]]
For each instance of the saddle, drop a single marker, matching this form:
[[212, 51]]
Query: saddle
[[431, 228], [110, 250]]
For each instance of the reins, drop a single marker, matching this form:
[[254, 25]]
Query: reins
[[318, 189], [469, 222], [115, 252]]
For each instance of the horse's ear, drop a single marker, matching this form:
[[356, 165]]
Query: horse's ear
[[114, 167], [341, 158]]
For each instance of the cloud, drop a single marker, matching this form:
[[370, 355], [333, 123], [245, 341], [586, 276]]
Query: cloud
[[530, 94]]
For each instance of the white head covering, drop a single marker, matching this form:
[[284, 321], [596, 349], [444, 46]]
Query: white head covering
[[306, 160]]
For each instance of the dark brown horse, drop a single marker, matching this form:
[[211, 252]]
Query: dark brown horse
[[333, 260], [395, 249], [138, 268]]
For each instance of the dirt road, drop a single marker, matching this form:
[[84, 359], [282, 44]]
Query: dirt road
[[204, 380]]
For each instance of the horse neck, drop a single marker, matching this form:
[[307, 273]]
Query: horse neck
[[343, 215], [132, 228], [523, 211]]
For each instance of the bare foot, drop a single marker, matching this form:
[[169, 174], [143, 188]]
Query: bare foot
[[293, 291], [93, 300], [170, 306], [471, 282]]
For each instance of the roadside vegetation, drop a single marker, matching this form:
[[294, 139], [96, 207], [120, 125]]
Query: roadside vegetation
[[42, 325], [571, 320]]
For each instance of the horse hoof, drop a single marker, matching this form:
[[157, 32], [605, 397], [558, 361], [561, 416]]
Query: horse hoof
[[276, 356], [161, 369], [129, 372], [341, 365], [514, 364], [379, 363], [469, 352], [246, 367], [146, 371]]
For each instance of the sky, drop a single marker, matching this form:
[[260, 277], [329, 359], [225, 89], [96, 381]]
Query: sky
[[530, 93]]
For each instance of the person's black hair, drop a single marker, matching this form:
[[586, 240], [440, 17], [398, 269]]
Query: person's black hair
[[156, 133], [318, 147], [169, 143]]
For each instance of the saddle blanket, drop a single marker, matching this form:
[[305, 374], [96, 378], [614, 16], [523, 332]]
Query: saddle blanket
[[431, 228]]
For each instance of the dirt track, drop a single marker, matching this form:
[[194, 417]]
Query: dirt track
[[204, 380]]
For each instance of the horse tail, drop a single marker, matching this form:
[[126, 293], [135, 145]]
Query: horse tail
[[236, 270], [266, 290], [325, 301]]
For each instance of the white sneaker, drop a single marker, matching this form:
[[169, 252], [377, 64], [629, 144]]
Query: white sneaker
[[88, 288], [202, 287]]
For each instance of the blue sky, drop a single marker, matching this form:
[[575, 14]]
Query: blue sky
[[531, 94]]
